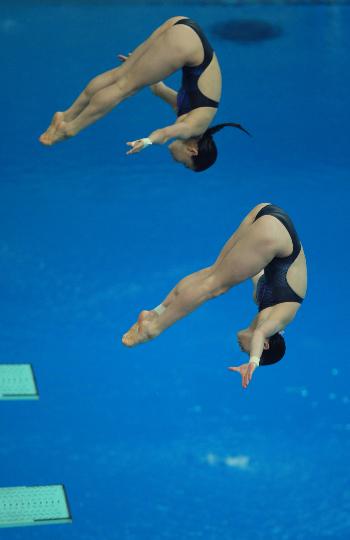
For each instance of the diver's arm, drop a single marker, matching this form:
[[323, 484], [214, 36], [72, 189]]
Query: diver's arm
[[184, 128], [255, 280], [267, 329], [179, 130], [165, 93], [257, 346]]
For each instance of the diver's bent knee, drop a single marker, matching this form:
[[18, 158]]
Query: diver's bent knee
[[92, 87], [98, 102], [103, 100], [219, 291], [127, 87], [215, 287]]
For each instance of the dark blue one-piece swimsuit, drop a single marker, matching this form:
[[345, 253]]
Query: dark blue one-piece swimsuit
[[189, 96], [272, 287]]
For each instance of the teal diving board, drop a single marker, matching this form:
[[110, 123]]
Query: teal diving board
[[17, 381], [37, 505]]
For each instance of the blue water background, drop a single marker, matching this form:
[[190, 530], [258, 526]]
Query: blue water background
[[161, 442]]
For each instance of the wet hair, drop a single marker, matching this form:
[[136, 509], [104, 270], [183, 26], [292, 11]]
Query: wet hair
[[275, 352], [207, 151]]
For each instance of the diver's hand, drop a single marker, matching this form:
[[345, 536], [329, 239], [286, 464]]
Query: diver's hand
[[157, 87], [246, 371], [136, 146], [123, 57]]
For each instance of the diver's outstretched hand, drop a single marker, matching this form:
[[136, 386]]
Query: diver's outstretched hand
[[136, 146], [246, 371]]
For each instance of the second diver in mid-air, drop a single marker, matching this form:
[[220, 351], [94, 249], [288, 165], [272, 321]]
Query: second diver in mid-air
[[265, 248]]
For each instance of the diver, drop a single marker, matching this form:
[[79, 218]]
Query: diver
[[265, 248], [179, 43]]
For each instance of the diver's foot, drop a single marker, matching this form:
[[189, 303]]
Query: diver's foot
[[143, 330], [61, 132], [46, 137], [57, 118]]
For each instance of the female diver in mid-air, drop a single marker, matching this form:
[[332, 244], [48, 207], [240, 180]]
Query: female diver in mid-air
[[178, 44], [265, 248]]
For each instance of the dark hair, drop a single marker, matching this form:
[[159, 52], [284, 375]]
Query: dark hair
[[275, 352], [207, 151]]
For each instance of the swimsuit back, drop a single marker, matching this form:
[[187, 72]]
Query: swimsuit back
[[273, 287], [189, 96]]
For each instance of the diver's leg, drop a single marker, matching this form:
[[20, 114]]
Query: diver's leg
[[111, 76], [250, 254], [243, 227], [95, 85], [141, 49], [192, 279], [186, 281], [102, 81], [163, 57], [151, 315]]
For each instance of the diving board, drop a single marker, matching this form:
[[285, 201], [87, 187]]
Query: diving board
[[17, 381], [37, 505]]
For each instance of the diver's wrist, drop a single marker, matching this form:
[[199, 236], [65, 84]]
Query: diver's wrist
[[254, 360], [146, 141]]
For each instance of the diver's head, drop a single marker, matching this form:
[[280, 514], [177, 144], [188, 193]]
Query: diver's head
[[274, 346], [275, 351], [244, 338], [199, 153], [183, 151]]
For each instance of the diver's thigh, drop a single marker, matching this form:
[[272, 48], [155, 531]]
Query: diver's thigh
[[248, 256], [162, 58]]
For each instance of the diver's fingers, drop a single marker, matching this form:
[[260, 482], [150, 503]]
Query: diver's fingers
[[136, 144], [123, 57], [234, 368], [248, 376], [245, 381], [132, 144], [133, 151]]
